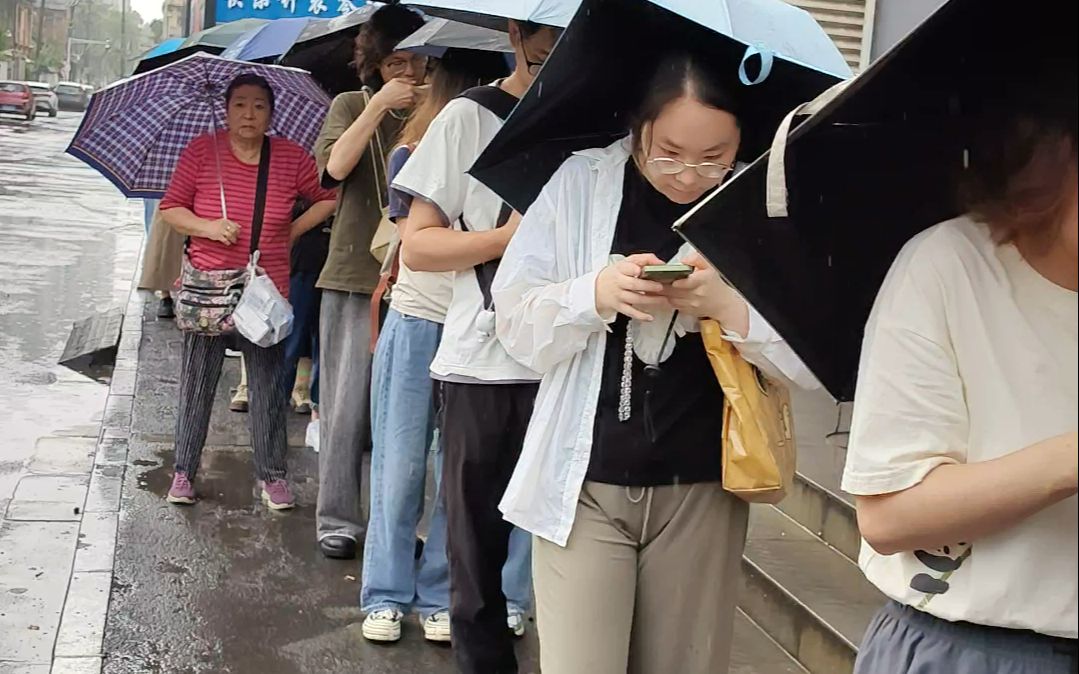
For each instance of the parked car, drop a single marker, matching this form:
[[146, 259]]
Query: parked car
[[17, 99], [72, 95], [45, 97]]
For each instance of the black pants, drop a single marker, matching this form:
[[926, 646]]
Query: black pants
[[203, 357], [483, 428]]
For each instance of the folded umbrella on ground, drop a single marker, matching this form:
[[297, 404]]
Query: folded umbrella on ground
[[772, 55], [135, 130], [494, 14], [876, 165]]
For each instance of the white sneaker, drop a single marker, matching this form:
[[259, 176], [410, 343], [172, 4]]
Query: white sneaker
[[383, 625], [437, 627], [311, 436], [232, 353], [516, 623]]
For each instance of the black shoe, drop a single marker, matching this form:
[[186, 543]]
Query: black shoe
[[165, 310], [338, 547]]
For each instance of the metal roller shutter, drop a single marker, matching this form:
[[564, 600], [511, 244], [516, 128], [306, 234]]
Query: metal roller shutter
[[848, 22]]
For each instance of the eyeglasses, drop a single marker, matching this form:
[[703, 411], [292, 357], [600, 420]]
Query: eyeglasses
[[399, 65], [672, 167]]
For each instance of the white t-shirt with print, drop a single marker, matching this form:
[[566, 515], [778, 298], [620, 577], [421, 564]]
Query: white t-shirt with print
[[969, 355], [437, 172]]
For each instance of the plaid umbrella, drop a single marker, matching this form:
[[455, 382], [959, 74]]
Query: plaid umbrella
[[134, 130]]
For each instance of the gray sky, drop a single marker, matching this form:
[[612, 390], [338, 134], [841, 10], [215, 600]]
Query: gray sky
[[147, 9]]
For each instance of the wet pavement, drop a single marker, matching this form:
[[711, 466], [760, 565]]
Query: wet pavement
[[68, 246], [226, 585]]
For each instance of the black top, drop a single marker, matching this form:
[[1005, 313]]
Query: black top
[[673, 433], [310, 251]]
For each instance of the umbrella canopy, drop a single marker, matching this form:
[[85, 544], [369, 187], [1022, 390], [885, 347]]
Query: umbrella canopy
[[164, 47], [493, 14], [872, 168], [213, 40], [325, 48], [438, 35], [134, 130], [596, 76], [268, 41]]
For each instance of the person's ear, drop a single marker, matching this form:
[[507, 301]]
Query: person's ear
[[515, 34]]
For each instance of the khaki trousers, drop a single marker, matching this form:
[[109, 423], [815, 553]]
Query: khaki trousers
[[646, 584]]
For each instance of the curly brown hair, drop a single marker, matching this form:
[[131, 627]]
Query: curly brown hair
[[378, 39]]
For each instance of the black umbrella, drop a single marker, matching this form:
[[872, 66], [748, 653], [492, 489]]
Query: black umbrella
[[874, 167], [595, 78], [325, 48]]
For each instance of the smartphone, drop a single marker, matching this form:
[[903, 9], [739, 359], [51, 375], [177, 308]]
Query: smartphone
[[666, 273]]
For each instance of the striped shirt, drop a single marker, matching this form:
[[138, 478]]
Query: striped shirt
[[194, 186]]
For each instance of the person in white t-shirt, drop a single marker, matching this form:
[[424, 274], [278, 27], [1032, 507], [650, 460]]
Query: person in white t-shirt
[[403, 414], [962, 451], [457, 224]]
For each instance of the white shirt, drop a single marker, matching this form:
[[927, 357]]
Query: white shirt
[[436, 172], [969, 355], [547, 319]]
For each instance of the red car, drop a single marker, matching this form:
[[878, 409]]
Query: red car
[[16, 98]]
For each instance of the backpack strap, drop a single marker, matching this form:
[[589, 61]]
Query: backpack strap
[[501, 103], [489, 96]]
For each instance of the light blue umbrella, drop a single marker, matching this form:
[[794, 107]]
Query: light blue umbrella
[[270, 40], [438, 35], [167, 47], [768, 28], [494, 14]]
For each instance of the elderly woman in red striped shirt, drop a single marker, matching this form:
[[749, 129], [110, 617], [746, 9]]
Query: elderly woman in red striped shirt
[[192, 206]]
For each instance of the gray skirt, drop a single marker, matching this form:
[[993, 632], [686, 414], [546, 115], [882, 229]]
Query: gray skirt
[[902, 640]]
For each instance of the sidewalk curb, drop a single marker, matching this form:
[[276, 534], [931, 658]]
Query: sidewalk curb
[[79, 646]]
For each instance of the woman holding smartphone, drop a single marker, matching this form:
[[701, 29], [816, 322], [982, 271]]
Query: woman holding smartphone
[[619, 480]]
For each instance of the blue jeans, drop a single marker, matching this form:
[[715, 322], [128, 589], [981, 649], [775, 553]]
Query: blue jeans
[[403, 432], [303, 340], [148, 207]]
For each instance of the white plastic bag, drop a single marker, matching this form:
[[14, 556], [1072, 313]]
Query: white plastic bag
[[262, 316]]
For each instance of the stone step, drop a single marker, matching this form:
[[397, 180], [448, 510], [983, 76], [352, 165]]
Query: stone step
[[754, 652], [809, 598]]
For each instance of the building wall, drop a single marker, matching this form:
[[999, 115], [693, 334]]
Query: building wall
[[173, 19], [895, 18]]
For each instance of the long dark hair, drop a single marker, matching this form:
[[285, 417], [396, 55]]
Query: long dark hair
[[677, 75], [378, 39], [456, 71]]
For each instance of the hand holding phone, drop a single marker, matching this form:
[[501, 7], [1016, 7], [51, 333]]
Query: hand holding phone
[[666, 273]]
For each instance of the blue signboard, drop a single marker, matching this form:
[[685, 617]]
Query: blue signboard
[[231, 10]]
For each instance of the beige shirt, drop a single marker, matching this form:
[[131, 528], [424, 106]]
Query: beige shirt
[[969, 355]]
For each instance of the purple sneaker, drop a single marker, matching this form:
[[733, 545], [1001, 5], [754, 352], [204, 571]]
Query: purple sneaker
[[277, 496], [181, 491]]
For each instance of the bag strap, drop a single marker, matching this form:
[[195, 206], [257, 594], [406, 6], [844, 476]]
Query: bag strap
[[260, 195], [494, 98], [378, 154], [775, 199], [485, 271]]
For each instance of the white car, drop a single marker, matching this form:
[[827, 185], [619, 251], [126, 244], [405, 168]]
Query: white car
[[44, 97]]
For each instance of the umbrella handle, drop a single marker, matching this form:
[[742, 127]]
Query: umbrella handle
[[776, 182], [767, 58], [217, 159]]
